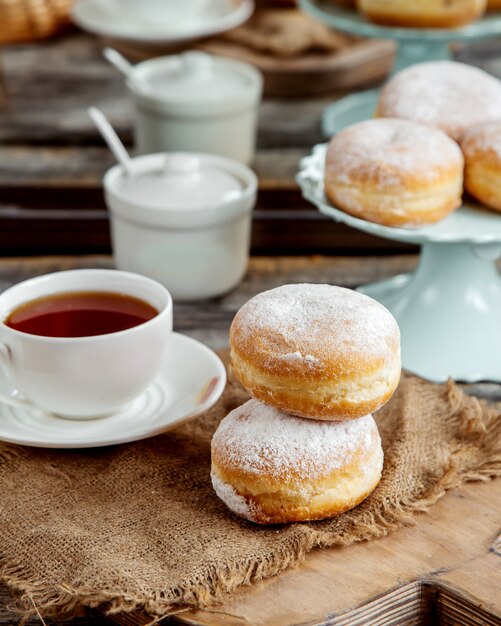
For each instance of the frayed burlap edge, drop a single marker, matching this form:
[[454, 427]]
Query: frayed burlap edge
[[475, 421]]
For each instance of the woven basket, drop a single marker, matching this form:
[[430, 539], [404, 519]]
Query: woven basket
[[27, 20]]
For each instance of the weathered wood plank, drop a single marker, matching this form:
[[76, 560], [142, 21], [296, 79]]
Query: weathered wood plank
[[51, 84], [349, 586], [68, 75], [274, 231], [478, 580], [51, 201], [82, 167], [10, 615]]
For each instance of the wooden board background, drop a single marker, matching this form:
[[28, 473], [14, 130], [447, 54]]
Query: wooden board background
[[364, 62], [52, 158]]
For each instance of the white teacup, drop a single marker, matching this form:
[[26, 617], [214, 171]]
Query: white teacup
[[84, 377]]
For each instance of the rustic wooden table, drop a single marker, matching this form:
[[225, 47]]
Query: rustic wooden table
[[444, 570]]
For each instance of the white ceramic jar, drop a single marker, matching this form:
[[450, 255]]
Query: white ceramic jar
[[183, 219], [196, 102]]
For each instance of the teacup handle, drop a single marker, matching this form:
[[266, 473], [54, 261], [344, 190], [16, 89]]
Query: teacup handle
[[5, 364]]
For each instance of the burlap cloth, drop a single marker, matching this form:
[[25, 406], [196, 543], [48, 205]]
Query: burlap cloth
[[138, 526], [286, 33]]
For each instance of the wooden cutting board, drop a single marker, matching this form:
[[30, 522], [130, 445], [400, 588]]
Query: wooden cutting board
[[359, 64], [445, 569]]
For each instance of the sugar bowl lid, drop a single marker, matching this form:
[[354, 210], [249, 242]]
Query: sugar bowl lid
[[181, 189], [196, 81], [183, 182]]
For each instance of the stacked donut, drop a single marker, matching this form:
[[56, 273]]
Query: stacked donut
[[317, 360], [406, 168]]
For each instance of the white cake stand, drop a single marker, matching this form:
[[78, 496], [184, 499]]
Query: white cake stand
[[449, 309], [415, 45]]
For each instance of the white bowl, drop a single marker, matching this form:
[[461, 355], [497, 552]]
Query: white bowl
[[197, 252]]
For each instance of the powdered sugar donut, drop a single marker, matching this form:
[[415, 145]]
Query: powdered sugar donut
[[394, 172], [444, 94], [272, 468], [424, 13], [316, 351], [482, 151]]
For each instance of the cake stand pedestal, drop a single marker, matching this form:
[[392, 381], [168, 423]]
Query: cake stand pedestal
[[449, 308], [414, 45]]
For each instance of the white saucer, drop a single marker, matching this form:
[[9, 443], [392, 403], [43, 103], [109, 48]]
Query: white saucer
[[192, 380], [160, 22]]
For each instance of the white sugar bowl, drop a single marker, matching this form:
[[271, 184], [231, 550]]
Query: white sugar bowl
[[183, 219], [196, 102]]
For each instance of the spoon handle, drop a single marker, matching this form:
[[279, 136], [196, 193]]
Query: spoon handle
[[117, 60], [112, 139]]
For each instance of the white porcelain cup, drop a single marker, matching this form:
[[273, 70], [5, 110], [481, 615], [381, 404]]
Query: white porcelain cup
[[83, 377]]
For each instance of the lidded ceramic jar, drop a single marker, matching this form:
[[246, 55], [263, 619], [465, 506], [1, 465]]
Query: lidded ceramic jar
[[196, 102], [183, 219]]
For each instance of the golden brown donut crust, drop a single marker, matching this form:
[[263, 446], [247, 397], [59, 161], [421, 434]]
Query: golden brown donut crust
[[482, 151], [423, 13], [322, 402], [316, 351], [275, 508], [394, 172], [270, 484]]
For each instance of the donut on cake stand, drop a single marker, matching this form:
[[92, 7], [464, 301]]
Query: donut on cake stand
[[415, 45], [449, 308]]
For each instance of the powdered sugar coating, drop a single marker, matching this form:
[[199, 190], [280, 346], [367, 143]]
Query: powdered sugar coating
[[445, 94], [311, 326], [387, 152], [258, 439], [485, 139], [298, 357], [230, 497]]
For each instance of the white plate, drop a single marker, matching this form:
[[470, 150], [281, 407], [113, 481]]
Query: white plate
[[157, 22], [192, 380]]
